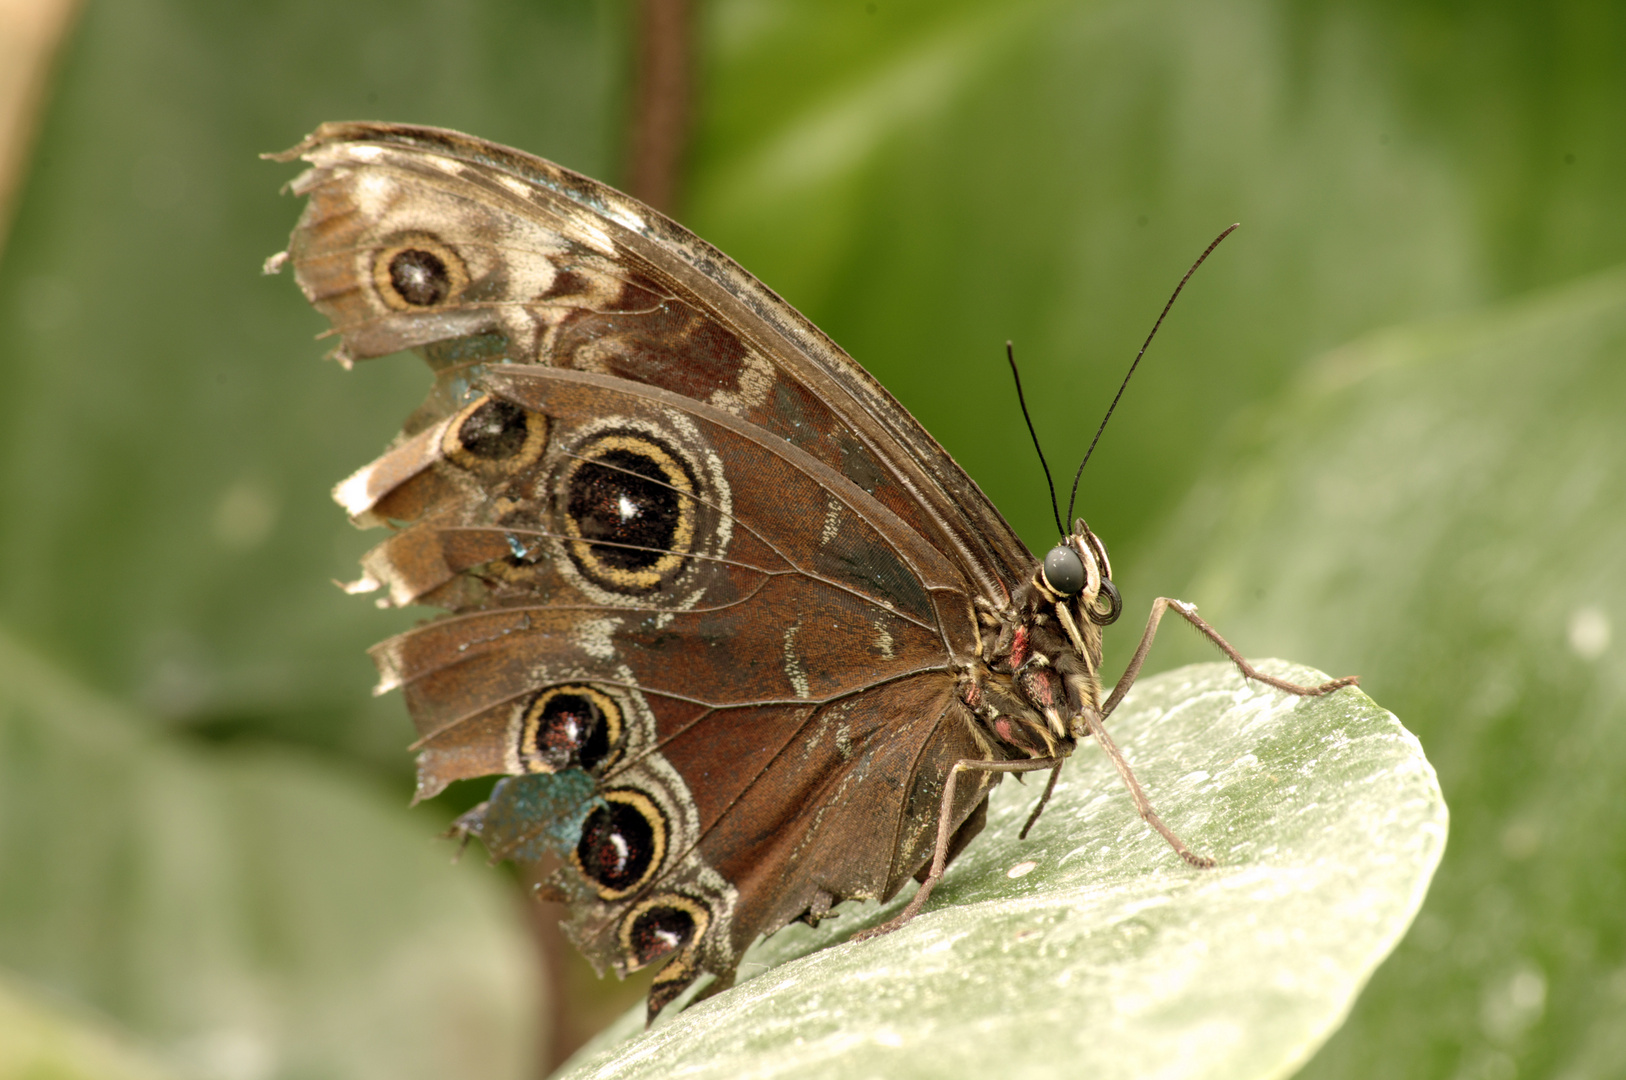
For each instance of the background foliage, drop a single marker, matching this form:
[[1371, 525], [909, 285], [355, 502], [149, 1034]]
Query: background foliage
[[1437, 506]]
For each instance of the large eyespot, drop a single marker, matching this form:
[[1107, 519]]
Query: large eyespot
[[1064, 571], [661, 926], [569, 726], [622, 843], [495, 437], [418, 272], [629, 504]]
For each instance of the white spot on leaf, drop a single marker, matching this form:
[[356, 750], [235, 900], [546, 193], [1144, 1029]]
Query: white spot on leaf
[[1589, 632], [228, 1054], [1521, 839], [1510, 1007]]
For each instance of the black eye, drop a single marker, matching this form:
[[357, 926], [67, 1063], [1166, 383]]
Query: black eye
[[1064, 571]]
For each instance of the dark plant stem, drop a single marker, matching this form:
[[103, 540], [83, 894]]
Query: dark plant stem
[[660, 121], [558, 1039]]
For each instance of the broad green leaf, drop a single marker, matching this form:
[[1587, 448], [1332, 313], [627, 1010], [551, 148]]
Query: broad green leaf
[[248, 914], [1441, 509], [42, 1040], [927, 178], [1090, 949]]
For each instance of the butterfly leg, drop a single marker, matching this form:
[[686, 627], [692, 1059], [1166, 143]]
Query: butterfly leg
[[1049, 790], [1142, 803], [1189, 613], [1093, 720], [945, 832]]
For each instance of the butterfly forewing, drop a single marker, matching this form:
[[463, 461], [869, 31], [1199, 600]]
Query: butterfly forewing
[[565, 271]]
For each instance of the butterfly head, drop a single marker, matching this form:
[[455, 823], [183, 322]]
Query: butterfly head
[[1078, 569], [1043, 665]]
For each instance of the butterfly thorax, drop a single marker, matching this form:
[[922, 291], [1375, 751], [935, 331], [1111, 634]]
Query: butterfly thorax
[[1037, 674]]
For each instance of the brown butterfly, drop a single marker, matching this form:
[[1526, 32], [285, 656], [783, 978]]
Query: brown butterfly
[[743, 639]]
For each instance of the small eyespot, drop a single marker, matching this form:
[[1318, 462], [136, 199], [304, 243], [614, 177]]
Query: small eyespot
[[420, 277], [569, 727], [1064, 571], [495, 437], [661, 926], [622, 843], [659, 931], [418, 272]]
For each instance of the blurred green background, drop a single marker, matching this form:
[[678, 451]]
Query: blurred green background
[[1384, 432]]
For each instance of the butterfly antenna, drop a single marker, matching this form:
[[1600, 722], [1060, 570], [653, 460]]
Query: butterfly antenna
[[1055, 509], [1207, 251]]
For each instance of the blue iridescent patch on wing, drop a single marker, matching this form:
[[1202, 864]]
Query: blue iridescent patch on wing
[[531, 816]]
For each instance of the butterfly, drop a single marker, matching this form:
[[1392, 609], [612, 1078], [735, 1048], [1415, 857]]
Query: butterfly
[[739, 636]]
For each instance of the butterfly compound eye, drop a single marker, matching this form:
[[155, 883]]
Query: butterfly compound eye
[[1064, 571]]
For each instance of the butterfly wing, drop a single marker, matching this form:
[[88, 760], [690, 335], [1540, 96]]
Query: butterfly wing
[[543, 265], [710, 586]]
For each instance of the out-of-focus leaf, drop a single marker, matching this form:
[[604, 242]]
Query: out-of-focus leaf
[[927, 178], [248, 914], [41, 1040], [1090, 949], [166, 465], [1442, 509]]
